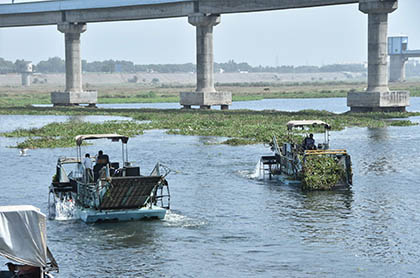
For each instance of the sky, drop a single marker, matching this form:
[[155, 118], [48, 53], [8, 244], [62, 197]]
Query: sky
[[309, 36]]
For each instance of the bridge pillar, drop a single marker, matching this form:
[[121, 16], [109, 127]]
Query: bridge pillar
[[377, 96], [74, 93], [397, 68], [205, 95], [26, 70]]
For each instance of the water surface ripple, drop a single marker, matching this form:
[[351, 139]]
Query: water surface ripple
[[223, 223]]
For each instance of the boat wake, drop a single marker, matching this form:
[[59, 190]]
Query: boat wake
[[256, 174], [65, 210], [174, 219]]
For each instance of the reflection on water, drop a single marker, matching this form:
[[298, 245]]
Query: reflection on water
[[377, 134], [379, 166], [377, 159], [334, 201]]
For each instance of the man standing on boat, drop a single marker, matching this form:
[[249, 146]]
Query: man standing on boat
[[102, 158], [101, 161], [87, 162]]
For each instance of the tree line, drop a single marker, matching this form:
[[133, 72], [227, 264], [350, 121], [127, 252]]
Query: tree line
[[57, 65]]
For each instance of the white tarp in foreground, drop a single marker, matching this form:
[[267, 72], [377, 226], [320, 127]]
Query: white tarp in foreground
[[23, 235]]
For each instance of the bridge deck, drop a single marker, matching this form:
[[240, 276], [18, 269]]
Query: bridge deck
[[58, 11], [67, 5]]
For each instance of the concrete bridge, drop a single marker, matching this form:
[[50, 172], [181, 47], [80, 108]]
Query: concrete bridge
[[71, 17]]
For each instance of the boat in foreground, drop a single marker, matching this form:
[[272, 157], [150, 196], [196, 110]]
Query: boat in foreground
[[23, 240], [112, 193], [312, 167]]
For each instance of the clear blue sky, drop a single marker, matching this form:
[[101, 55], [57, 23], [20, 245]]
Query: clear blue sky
[[312, 36]]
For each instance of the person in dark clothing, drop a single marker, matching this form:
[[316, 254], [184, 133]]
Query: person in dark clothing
[[102, 158], [24, 271], [101, 161], [309, 143]]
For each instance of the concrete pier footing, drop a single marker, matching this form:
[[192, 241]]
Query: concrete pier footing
[[378, 101], [377, 96], [205, 95], [74, 98], [74, 94], [206, 99]]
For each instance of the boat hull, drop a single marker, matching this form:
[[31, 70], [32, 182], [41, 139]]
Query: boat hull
[[93, 215]]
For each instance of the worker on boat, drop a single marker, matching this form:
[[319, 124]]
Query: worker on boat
[[102, 158], [309, 143], [87, 163], [24, 271], [101, 161]]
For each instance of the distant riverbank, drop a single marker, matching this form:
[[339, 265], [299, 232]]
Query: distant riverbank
[[16, 95]]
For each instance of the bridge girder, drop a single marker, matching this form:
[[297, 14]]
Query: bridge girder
[[240, 6], [53, 12]]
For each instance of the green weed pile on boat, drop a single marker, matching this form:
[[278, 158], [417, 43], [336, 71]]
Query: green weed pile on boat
[[321, 173]]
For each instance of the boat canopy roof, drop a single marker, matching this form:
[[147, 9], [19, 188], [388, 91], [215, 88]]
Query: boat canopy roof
[[68, 160], [23, 236], [303, 123], [113, 137]]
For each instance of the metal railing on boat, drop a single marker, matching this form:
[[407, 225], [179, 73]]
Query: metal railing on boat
[[321, 152]]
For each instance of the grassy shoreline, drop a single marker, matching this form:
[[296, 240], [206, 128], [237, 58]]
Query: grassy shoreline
[[123, 93]]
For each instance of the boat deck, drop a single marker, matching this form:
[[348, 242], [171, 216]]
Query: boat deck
[[93, 215]]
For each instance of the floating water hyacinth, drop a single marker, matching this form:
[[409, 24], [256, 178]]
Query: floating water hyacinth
[[244, 126]]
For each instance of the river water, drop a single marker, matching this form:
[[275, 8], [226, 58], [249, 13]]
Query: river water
[[224, 223]]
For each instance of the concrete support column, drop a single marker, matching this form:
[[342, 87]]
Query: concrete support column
[[204, 42], [377, 52], [73, 59], [397, 68], [74, 94], [205, 95], [377, 96], [26, 79]]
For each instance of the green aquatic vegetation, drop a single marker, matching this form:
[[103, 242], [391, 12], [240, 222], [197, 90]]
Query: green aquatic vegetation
[[59, 135], [400, 123], [321, 173], [46, 142], [23, 99], [238, 142], [245, 126], [72, 129]]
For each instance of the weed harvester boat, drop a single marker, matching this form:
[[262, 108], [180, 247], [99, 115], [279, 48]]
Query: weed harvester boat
[[317, 168], [114, 193]]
